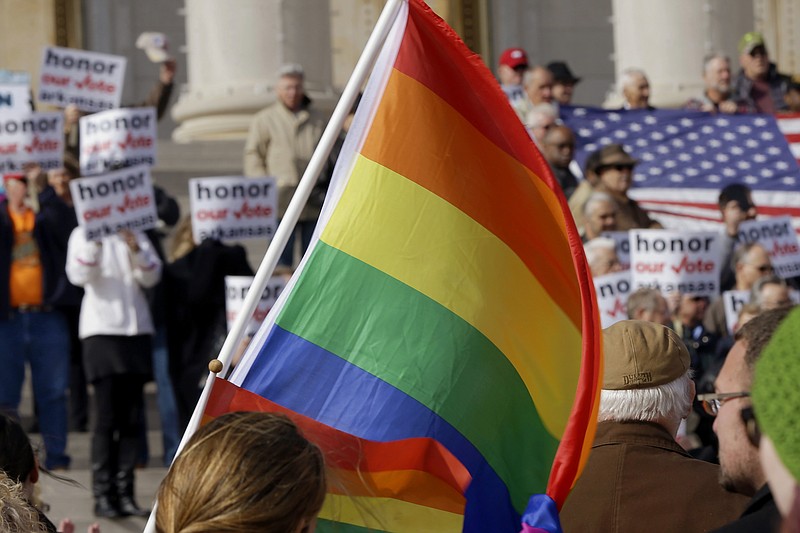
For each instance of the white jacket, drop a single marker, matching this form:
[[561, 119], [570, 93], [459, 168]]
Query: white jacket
[[114, 303]]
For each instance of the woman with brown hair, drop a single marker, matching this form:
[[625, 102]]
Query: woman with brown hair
[[244, 472]]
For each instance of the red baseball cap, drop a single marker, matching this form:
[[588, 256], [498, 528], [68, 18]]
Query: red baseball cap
[[15, 176], [514, 57]]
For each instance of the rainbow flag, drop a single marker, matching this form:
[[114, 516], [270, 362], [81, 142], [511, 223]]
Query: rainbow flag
[[440, 338]]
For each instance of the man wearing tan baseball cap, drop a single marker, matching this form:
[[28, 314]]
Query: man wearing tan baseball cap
[[638, 478]]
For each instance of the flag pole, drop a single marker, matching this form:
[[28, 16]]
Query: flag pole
[[287, 224]]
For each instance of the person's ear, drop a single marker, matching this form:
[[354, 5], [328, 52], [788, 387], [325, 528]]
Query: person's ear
[[33, 476]]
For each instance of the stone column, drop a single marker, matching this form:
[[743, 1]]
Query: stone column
[[668, 40], [234, 48]]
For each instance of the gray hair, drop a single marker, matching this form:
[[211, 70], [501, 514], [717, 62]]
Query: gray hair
[[645, 298], [628, 76], [539, 112], [294, 70], [596, 198], [670, 401], [711, 57], [595, 246], [527, 78], [741, 253]]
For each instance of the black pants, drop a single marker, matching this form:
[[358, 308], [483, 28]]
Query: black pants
[[118, 407]]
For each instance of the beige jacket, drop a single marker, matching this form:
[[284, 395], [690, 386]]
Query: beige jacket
[[280, 144]]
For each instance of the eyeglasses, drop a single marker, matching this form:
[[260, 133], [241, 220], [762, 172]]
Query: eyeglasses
[[758, 51], [763, 268], [713, 401], [619, 167]]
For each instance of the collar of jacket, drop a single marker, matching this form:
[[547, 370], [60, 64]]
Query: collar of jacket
[[636, 432]]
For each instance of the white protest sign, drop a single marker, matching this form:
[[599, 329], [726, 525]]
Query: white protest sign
[[733, 302], [118, 138], [15, 98], [233, 208], [778, 237], [622, 240], [91, 81], [31, 138], [236, 288], [115, 201], [687, 262], [612, 297]]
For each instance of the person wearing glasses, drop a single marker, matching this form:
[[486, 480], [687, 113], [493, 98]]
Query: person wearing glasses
[[637, 477], [759, 83], [610, 170], [750, 262], [735, 426]]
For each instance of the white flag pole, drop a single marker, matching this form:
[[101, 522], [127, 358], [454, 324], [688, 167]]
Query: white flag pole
[[285, 228]]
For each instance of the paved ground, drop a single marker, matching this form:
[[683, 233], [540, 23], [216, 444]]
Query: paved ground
[[75, 502], [177, 164]]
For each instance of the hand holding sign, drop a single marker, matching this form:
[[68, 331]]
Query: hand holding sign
[[115, 202]]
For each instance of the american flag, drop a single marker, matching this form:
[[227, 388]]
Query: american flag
[[686, 157]]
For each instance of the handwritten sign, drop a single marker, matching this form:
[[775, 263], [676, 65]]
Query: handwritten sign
[[89, 80], [115, 201], [612, 297], [15, 98], [31, 138], [118, 138], [778, 237], [622, 240], [236, 288], [233, 208], [687, 262]]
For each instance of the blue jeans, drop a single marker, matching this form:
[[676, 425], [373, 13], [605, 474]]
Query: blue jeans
[[41, 339], [306, 229]]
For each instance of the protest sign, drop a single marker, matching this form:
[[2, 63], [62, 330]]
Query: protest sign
[[115, 201], [687, 262], [91, 81], [15, 98], [118, 138], [622, 240], [612, 296], [233, 208], [733, 302], [31, 138], [778, 237], [236, 288]]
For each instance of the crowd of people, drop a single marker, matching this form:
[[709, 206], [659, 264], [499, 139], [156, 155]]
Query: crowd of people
[[119, 311]]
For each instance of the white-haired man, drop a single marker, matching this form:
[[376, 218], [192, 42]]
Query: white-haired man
[[638, 478], [280, 143], [599, 215], [635, 89], [601, 254]]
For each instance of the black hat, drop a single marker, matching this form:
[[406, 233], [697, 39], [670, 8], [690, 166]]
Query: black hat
[[561, 72]]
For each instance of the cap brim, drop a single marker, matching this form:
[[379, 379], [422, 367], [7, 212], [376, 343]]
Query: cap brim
[[156, 55]]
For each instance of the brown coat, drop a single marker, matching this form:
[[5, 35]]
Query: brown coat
[[638, 478]]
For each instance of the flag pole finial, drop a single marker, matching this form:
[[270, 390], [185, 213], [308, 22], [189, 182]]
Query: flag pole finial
[[215, 366]]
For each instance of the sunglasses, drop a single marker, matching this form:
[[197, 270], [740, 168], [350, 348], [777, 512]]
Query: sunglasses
[[758, 51], [619, 167], [712, 402], [763, 269]]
